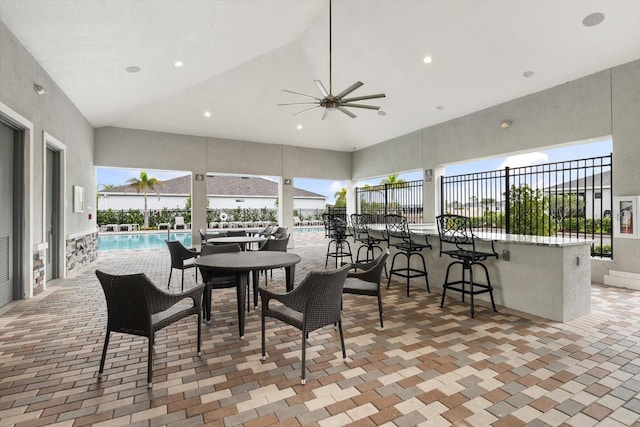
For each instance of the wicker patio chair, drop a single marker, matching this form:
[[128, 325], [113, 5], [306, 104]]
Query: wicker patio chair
[[366, 278], [181, 258], [136, 306], [315, 303], [213, 281], [276, 245]]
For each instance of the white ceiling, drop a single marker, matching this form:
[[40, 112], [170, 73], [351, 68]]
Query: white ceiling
[[239, 54]]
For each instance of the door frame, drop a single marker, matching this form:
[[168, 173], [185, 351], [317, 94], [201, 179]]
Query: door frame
[[51, 142], [23, 273]]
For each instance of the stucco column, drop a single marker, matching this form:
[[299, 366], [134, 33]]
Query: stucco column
[[351, 197], [285, 212], [198, 205], [431, 193]]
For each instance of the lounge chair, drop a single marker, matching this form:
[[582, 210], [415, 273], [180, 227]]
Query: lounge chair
[[179, 223]]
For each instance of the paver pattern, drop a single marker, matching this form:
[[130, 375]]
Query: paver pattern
[[428, 367]]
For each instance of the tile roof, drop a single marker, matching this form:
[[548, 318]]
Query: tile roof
[[222, 185]]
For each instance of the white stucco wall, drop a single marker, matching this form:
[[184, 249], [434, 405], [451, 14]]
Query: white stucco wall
[[594, 107]]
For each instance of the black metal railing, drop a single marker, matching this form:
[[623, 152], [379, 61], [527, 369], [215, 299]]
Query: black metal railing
[[571, 199], [403, 198]]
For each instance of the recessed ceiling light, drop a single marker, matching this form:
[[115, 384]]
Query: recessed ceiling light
[[178, 63], [593, 19], [207, 114], [427, 60], [440, 107], [382, 113], [299, 127], [528, 74], [132, 69], [505, 124]]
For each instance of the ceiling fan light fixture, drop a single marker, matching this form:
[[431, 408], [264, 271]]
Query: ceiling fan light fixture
[[427, 60], [329, 101]]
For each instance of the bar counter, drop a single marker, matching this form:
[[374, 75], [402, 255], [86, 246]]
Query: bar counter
[[549, 277]]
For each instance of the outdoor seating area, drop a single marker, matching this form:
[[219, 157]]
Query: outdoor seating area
[[425, 365]]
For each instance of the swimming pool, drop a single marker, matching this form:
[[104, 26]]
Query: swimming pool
[[132, 241], [146, 240]]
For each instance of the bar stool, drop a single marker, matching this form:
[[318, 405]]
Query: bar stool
[[456, 232], [360, 223], [398, 236], [338, 234]]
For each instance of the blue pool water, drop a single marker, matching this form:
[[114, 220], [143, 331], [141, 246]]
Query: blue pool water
[[123, 242], [132, 241]]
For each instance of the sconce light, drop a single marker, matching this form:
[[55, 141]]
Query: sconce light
[[505, 124], [39, 89]]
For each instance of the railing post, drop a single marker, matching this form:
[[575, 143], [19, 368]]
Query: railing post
[[507, 208], [386, 201]]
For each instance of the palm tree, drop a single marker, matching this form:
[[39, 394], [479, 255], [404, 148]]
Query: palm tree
[[142, 185], [391, 180], [341, 198]]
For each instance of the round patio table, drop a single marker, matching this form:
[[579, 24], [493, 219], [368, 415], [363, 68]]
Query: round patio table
[[241, 264]]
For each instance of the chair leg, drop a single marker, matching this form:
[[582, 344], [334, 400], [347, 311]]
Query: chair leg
[[150, 361], [104, 353], [199, 332], [264, 353], [446, 283], [344, 351], [304, 353], [169, 282], [182, 285], [486, 271], [380, 309], [393, 263], [426, 275], [473, 309]]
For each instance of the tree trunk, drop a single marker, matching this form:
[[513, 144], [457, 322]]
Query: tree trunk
[[146, 213]]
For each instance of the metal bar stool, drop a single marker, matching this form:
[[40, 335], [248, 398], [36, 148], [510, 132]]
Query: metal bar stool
[[455, 232], [338, 235], [398, 236]]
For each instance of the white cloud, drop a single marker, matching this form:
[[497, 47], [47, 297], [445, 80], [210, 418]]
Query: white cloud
[[336, 186], [527, 159]]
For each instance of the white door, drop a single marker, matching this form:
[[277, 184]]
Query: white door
[[6, 214]]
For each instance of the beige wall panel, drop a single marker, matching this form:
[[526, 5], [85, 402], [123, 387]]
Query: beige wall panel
[[318, 164], [396, 155]]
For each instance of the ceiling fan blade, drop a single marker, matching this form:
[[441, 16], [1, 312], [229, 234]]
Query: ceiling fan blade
[[347, 112], [308, 109], [298, 93], [323, 90], [360, 98], [325, 114], [350, 89], [298, 103], [369, 107]]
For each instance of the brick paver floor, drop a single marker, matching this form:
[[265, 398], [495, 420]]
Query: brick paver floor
[[428, 367]]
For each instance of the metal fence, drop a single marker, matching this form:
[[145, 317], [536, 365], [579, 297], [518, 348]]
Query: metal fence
[[571, 199], [403, 198]]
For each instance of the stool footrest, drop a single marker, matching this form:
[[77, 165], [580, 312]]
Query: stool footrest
[[484, 288], [404, 272]]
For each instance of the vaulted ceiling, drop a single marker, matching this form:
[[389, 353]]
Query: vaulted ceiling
[[238, 55]]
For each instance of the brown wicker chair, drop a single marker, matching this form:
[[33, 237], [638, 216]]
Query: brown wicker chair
[[213, 281], [136, 306], [316, 303], [180, 254], [367, 280], [276, 245]]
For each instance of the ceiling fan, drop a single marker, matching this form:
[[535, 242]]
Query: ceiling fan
[[330, 101]]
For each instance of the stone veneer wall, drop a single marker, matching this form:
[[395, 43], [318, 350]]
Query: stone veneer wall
[[81, 251], [38, 272]]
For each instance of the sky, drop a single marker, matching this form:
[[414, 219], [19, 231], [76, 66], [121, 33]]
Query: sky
[[328, 188]]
